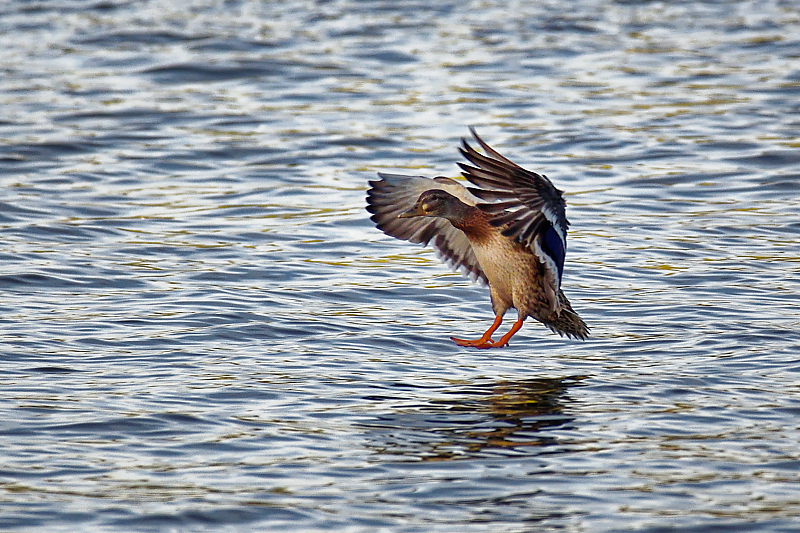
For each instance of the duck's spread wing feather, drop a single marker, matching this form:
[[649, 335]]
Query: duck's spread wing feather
[[525, 204], [394, 194]]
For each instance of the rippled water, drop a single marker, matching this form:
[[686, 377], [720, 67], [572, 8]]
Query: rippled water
[[202, 330]]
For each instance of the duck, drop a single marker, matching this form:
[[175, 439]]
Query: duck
[[507, 231]]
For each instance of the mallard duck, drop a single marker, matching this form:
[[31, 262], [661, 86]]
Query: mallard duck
[[509, 232]]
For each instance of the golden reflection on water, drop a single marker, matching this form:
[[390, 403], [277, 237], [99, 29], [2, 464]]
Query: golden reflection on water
[[475, 419]]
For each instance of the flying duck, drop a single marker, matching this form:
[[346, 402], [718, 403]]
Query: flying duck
[[509, 232]]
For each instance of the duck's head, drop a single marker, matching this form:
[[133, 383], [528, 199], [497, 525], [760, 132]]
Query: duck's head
[[436, 203]]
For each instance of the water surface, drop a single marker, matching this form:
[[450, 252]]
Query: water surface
[[202, 330]]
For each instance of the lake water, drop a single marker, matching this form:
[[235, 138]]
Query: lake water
[[201, 329]]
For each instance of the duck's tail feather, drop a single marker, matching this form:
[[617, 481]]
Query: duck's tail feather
[[568, 322]]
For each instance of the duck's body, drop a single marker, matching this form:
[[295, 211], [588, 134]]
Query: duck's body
[[515, 244]]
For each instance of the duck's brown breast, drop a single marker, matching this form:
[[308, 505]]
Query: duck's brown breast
[[513, 271], [475, 224]]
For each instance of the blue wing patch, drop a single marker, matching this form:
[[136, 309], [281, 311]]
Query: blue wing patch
[[553, 246]]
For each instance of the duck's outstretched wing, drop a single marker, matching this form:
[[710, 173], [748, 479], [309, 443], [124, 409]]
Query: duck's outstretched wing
[[525, 204], [394, 194]]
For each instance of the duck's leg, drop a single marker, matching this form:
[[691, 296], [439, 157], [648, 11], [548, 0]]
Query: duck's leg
[[504, 339], [486, 340]]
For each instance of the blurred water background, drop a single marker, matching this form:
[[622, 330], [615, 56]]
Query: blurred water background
[[201, 329]]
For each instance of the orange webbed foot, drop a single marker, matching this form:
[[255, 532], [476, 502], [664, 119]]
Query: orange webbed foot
[[492, 344], [486, 341], [480, 343], [477, 343]]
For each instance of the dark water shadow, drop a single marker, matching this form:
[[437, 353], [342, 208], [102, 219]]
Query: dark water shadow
[[476, 419]]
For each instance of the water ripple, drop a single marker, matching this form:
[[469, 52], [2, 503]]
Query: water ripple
[[202, 329]]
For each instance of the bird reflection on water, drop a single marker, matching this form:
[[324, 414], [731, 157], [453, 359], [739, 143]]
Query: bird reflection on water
[[476, 419]]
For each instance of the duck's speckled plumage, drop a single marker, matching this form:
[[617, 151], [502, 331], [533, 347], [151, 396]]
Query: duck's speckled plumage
[[509, 231]]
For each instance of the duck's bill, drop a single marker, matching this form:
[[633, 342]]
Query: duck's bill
[[413, 212]]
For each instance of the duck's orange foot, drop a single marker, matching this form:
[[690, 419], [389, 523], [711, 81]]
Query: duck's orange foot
[[479, 343], [473, 342], [492, 344], [486, 341]]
